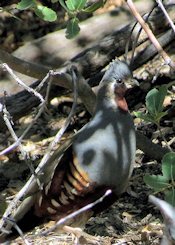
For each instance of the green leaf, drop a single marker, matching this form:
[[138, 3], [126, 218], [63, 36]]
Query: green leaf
[[162, 94], [157, 182], [145, 116], [154, 105], [72, 28], [93, 7], [45, 13], [79, 4], [151, 101], [154, 100], [71, 4], [54, 1], [159, 115], [170, 196], [168, 166], [25, 4], [63, 5], [74, 5]]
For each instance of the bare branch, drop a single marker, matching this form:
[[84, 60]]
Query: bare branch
[[17, 228], [150, 34], [47, 158], [76, 213], [159, 2]]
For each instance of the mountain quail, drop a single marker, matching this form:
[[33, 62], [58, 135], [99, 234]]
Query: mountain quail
[[100, 158]]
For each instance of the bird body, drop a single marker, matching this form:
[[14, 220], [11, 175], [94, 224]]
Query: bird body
[[104, 147], [101, 157]]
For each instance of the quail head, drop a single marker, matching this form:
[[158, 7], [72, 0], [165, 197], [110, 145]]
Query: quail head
[[100, 158]]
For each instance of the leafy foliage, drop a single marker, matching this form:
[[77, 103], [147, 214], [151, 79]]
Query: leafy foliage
[[45, 13], [72, 7], [25, 4], [154, 105], [165, 182], [41, 11], [72, 28]]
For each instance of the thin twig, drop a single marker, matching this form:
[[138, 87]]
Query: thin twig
[[150, 34], [64, 127], [38, 171], [17, 228], [160, 4], [22, 192], [163, 137], [146, 17], [157, 72], [76, 213], [23, 85], [41, 109], [49, 76], [7, 119]]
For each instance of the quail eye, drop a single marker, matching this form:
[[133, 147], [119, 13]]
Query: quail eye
[[119, 80]]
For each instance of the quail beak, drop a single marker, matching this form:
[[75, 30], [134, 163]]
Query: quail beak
[[131, 82]]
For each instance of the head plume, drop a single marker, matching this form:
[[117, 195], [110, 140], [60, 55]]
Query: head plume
[[117, 70]]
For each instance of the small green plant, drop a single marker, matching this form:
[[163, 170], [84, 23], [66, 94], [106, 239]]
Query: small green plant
[[166, 182], [72, 7], [41, 11], [154, 105], [154, 112]]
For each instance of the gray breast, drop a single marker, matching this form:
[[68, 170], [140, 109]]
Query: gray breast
[[105, 148]]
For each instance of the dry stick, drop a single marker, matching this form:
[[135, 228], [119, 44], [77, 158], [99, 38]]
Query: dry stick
[[78, 212], [150, 34], [62, 79], [64, 127], [38, 170], [41, 109], [159, 2], [84, 90], [13, 223], [106, 49], [21, 148], [137, 36], [23, 85], [20, 194], [9, 125], [134, 45], [24, 67], [164, 139], [150, 51]]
